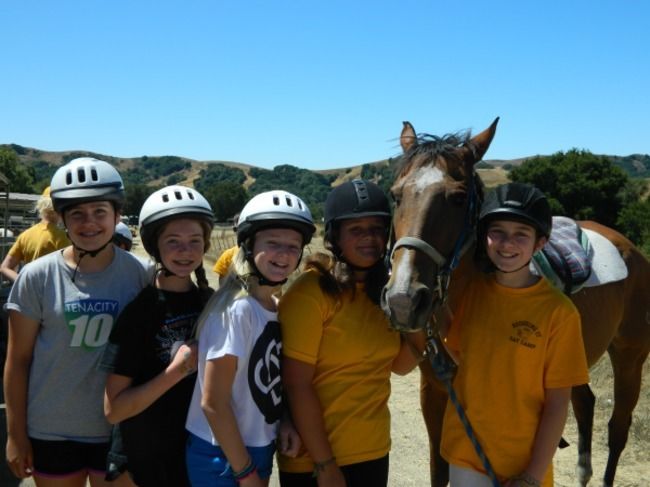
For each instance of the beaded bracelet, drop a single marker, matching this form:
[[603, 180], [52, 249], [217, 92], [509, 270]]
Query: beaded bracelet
[[247, 471], [320, 466]]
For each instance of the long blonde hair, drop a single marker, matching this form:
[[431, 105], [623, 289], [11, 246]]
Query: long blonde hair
[[236, 285]]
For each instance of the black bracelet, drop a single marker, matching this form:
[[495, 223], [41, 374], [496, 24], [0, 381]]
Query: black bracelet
[[320, 466], [249, 469]]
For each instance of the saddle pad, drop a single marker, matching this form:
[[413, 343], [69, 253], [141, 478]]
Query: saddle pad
[[607, 265]]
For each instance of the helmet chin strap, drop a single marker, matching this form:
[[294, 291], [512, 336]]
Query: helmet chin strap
[[85, 252], [510, 272]]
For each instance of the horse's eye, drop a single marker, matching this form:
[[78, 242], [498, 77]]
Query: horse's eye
[[397, 199]]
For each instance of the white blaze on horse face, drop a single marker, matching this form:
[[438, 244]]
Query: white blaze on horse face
[[425, 177], [420, 182]]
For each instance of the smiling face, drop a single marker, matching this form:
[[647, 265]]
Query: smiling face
[[181, 246], [276, 252], [91, 225], [362, 240], [511, 244]]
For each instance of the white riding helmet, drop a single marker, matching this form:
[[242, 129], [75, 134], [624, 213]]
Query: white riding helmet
[[275, 209], [167, 204], [83, 180], [123, 230]]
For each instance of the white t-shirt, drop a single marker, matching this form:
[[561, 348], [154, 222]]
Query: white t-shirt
[[252, 334]]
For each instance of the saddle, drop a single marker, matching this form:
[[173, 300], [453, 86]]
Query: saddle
[[566, 258]]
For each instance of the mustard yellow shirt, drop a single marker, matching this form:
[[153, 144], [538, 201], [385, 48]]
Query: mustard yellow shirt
[[352, 348], [38, 240], [512, 344], [225, 259]]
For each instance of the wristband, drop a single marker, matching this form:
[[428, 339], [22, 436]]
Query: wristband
[[248, 470], [320, 466]]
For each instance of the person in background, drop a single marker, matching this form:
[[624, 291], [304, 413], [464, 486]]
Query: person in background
[[222, 264], [123, 237], [151, 356], [36, 241], [339, 351], [62, 309], [237, 403], [518, 345]]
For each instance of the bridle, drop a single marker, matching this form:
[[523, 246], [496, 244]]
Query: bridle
[[442, 366], [464, 242]]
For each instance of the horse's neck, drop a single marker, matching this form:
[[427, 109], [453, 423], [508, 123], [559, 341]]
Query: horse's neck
[[461, 277]]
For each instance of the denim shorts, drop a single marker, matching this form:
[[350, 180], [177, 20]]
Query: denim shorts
[[208, 466]]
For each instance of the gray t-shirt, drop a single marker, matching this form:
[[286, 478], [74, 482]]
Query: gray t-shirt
[[66, 388]]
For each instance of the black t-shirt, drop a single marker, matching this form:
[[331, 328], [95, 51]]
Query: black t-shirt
[[141, 345]]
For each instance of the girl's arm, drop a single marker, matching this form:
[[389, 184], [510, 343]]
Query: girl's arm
[[121, 401], [215, 403], [307, 416], [9, 266], [20, 351], [549, 431], [411, 352]]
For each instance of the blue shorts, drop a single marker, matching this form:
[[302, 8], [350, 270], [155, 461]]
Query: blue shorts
[[208, 466], [65, 458]]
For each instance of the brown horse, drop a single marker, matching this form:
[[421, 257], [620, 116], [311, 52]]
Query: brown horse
[[437, 195]]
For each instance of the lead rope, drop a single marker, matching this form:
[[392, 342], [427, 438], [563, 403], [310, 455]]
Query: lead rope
[[444, 370]]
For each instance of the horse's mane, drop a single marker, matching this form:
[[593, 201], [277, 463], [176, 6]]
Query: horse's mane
[[430, 147]]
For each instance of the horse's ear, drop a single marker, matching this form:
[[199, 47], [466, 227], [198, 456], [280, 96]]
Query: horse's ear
[[482, 141], [407, 138]]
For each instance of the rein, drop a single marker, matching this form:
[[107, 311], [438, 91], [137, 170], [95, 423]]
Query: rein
[[443, 368]]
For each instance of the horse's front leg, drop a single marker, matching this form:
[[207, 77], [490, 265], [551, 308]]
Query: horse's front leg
[[583, 401], [433, 399], [627, 366]]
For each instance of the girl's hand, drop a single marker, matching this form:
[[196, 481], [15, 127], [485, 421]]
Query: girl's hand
[[253, 480], [19, 457], [185, 361], [289, 441], [331, 476]]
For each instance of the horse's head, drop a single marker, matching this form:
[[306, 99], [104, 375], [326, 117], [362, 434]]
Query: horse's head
[[437, 197]]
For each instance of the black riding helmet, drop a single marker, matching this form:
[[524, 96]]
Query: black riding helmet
[[354, 199], [519, 202]]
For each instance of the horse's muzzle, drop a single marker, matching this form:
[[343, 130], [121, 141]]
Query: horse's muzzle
[[408, 310]]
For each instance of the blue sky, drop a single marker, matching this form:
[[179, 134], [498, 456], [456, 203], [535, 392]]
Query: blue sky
[[322, 84]]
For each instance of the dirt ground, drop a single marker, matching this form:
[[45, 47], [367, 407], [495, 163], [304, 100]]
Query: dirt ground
[[409, 456]]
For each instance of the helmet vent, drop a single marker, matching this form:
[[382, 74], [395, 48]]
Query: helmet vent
[[190, 195], [81, 175], [68, 178], [93, 174], [289, 202], [165, 198], [178, 195], [276, 201]]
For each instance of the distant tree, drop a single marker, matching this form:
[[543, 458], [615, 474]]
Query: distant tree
[[218, 173], [312, 187], [174, 179], [135, 195], [579, 184], [634, 222], [21, 178], [226, 199]]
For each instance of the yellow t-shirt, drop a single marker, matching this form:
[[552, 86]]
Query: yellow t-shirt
[[511, 344], [225, 259], [38, 240], [352, 348]]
